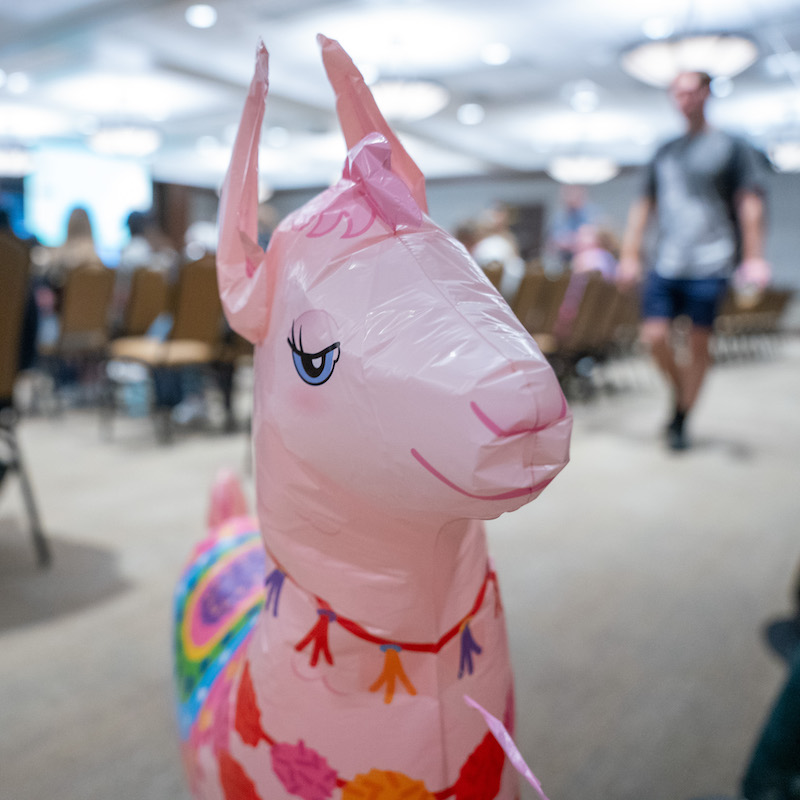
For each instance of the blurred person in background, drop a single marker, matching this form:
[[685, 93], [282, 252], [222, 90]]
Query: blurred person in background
[[573, 213], [54, 263], [596, 250], [705, 191], [147, 246], [497, 244]]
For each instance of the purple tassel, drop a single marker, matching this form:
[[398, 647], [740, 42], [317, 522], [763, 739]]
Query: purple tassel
[[274, 584], [468, 647]]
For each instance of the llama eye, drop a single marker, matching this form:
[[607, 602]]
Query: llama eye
[[314, 368]]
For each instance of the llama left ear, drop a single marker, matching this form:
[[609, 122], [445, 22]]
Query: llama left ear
[[246, 285], [359, 115]]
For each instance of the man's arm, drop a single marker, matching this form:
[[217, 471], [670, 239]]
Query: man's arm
[[750, 212], [630, 258]]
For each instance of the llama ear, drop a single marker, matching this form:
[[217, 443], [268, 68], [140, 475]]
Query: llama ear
[[359, 115], [246, 285]]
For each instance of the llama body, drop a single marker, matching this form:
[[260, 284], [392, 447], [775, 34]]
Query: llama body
[[398, 403]]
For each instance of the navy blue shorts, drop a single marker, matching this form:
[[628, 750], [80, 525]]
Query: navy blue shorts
[[697, 298]]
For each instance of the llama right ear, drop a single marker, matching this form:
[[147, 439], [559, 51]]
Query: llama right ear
[[359, 115], [246, 285]]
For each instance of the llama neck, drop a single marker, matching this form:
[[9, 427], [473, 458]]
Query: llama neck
[[413, 578]]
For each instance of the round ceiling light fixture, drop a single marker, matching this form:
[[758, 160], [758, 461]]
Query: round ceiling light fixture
[[470, 114], [126, 140], [495, 54], [657, 63], [785, 156], [585, 170], [409, 100], [201, 15]]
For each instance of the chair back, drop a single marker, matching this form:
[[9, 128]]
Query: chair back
[[198, 311], [538, 301], [85, 308], [14, 270], [149, 297], [593, 298], [494, 272]]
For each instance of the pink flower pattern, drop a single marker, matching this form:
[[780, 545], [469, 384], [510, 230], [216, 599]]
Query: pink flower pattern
[[303, 771]]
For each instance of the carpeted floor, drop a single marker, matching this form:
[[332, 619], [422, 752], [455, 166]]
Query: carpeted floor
[[639, 589]]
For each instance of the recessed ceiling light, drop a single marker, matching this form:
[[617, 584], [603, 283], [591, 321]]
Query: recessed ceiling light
[[658, 28], [470, 114], [495, 53], [408, 101], [582, 96], [786, 156], [201, 16], [582, 169], [18, 83], [721, 86]]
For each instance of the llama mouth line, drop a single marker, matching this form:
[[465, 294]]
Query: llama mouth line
[[512, 494], [500, 432]]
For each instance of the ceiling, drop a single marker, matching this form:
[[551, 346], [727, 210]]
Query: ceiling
[[79, 65]]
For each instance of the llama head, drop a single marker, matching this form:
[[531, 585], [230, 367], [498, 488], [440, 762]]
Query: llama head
[[390, 373]]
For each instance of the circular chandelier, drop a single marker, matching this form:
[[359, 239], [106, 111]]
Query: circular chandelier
[[720, 55]]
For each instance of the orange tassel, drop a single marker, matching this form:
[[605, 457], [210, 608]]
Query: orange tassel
[[392, 672]]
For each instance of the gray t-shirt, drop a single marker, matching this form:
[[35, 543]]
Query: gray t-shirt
[[694, 181]]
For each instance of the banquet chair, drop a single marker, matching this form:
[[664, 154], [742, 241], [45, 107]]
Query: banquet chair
[[83, 319], [14, 269], [148, 297], [83, 328], [193, 339], [494, 272]]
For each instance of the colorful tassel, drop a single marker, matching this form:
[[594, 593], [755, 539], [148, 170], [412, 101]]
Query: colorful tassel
[[319, 635], [392, 672], [274, 584], [468, 647]]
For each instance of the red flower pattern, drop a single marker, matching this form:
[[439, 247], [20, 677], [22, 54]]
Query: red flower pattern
[[479, 778]]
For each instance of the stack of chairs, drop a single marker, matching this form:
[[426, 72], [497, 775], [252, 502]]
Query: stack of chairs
[[750, 326], [579, 321]]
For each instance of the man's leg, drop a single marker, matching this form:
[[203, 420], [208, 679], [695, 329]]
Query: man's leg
[[694, 373], [702, 300], [656, 335]]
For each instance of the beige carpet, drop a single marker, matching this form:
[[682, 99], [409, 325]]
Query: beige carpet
[[636, 588]]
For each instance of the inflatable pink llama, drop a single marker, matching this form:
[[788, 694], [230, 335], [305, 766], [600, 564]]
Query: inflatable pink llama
[[325, 651]]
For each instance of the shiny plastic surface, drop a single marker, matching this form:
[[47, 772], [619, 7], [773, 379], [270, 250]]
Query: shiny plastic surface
[[398, 402]]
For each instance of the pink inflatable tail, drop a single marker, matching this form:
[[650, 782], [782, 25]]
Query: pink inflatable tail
[[227, 500]]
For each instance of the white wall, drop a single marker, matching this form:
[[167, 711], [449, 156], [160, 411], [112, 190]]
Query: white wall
[[453, 202]]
